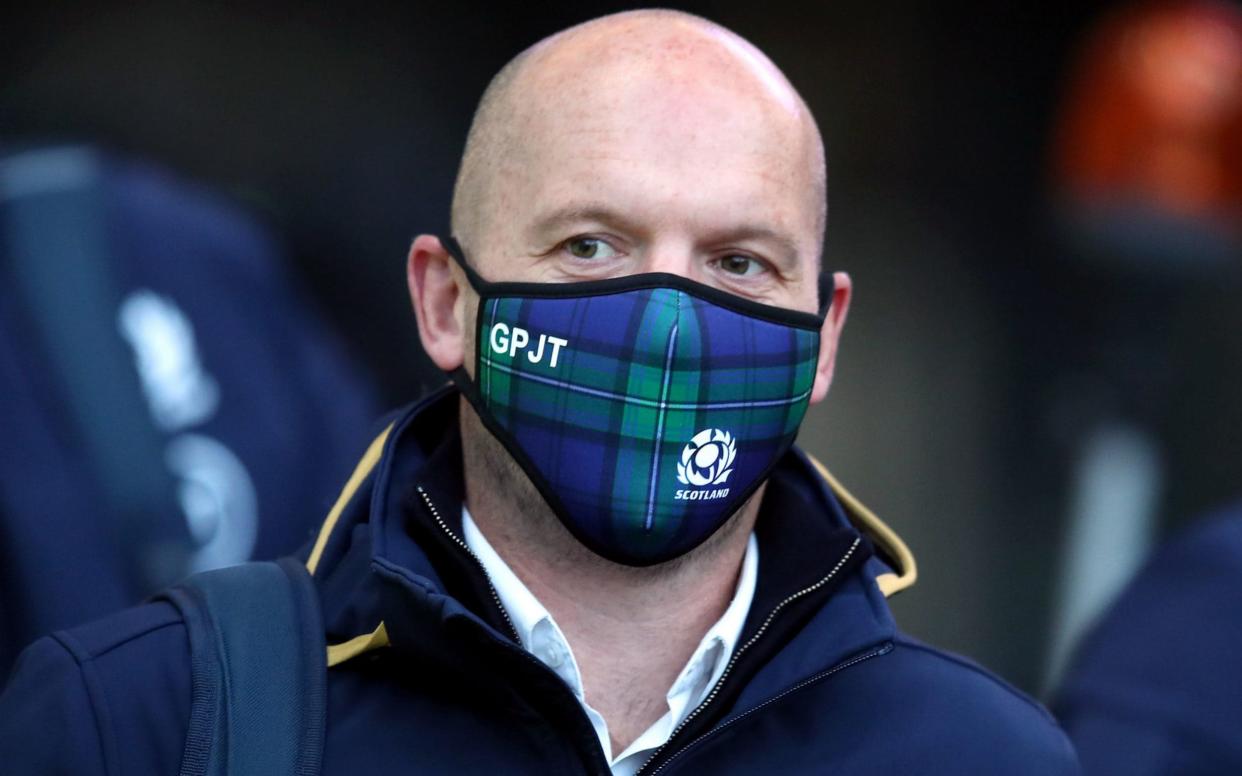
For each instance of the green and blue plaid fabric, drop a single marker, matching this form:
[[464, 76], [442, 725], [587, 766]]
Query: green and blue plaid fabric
[[646, 416]]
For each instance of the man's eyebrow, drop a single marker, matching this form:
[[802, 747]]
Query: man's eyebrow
[[571, 214]]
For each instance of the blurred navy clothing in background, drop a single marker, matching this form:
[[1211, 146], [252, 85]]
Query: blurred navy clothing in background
[[1157, 688], [170, 402]]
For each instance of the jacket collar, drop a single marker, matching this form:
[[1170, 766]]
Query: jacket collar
[[393, 568]]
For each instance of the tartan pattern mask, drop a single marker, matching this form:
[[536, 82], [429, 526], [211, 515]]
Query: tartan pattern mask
[[645, 409]]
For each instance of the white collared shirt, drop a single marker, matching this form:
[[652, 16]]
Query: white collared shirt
[[542, 637]]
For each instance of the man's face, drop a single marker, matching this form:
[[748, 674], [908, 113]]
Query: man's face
[[705, 175]]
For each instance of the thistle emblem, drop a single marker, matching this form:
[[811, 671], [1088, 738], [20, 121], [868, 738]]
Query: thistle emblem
[[707, 459]]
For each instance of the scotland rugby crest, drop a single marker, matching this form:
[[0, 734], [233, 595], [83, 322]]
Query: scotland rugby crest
[[707, 459]]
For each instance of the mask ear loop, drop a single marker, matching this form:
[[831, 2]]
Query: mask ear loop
[[454, 249], [460, 376], [827, 287]]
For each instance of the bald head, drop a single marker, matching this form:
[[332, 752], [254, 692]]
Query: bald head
[[626, 77]]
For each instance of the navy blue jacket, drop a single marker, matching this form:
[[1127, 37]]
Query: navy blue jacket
[[426, 677], [230, 398], [1157, 686]]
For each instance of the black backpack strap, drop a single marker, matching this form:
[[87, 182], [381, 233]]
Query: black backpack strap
[[258, 670]]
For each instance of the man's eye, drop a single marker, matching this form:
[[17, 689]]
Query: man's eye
[[590, 248], [740, 265]]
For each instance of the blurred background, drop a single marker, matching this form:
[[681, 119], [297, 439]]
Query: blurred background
[[1040, 205]]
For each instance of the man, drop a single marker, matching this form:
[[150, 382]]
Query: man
[[603, 555]]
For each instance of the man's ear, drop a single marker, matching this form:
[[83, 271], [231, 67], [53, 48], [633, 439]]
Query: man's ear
[[830, 334], [436, 292]]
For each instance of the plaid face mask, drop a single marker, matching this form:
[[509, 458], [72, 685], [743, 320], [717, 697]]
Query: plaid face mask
[[645, 409]]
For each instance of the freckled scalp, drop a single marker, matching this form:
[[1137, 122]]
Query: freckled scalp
[[635, 53]]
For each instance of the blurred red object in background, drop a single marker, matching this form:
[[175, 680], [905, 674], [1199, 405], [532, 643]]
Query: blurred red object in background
[[1153, 118]]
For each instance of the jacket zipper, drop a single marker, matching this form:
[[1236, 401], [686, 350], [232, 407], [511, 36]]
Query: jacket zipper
[[435, 513], [733, 662], [885, 649], [517, 639]]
